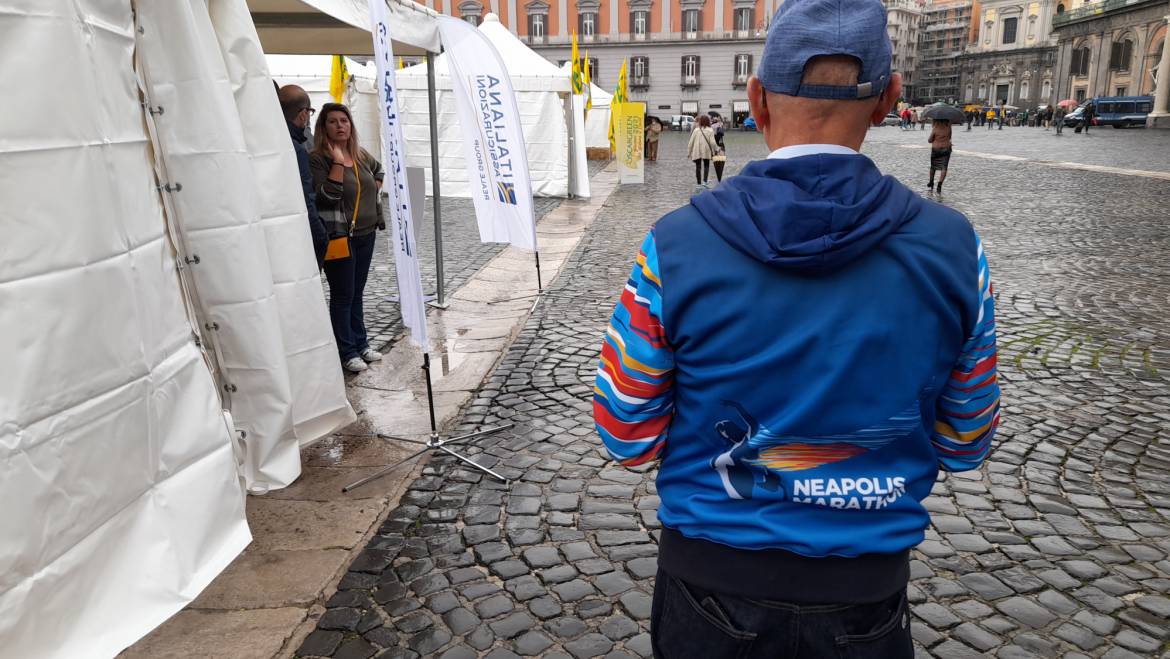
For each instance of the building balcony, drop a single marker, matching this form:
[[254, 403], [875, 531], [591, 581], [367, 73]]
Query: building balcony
[[1089, 12], [657, 37], [639, 82]]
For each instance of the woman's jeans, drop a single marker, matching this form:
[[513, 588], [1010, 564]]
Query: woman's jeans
[[347, 284], [702, 171], [687, 622]]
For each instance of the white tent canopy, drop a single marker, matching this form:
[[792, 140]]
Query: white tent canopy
[[179, 273], [541, 89]]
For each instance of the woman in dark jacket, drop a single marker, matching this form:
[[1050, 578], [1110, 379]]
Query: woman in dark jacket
[[348, 183]]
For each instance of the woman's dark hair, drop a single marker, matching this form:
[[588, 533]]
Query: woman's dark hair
[[704, 121], [320, 139]]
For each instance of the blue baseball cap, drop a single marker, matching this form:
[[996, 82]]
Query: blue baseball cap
[[804, 29]]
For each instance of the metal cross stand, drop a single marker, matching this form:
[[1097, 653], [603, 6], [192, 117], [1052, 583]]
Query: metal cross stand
[[434, 442]]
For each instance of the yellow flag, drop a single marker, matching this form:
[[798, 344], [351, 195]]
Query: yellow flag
[[576, 67], [620, 95], [587, 85], [337, 79], [401, 63]]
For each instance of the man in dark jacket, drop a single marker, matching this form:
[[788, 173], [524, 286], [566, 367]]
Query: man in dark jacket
[[803, 348], [294, 103]]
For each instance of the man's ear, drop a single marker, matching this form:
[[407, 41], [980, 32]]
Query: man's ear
[[888, 99], [758, 103]]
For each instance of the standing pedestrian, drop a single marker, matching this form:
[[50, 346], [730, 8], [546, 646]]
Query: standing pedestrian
[[348, 182], [990, 118], [940, 152], [701, 148], [653, 132], [803, 348], [1087, 118], [970, 118], [1058, 117], [297, 110]]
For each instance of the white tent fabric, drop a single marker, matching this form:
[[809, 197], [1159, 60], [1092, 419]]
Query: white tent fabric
[[121, 500], [118, 465], [319, 405], [539, 85]]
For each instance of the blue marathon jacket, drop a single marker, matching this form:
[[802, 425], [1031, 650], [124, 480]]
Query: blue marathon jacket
[[802, 347]]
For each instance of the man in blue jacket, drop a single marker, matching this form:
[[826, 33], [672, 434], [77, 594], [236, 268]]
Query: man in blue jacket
[[294, 103], [802, 348]]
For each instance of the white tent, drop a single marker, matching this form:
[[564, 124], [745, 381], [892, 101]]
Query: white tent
[[541, 92], [162, 326]]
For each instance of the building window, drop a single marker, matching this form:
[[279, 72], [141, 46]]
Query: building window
[[1120, 55], [536, 24], [1009, 29], [471, 11], [690, 19], [639, 23], [1080, 96], [743, 68], [1080, 62], [587, 24], [745, 18], [970, 95], [1122, 91], [640, 71], [594, 69], [690, 71]]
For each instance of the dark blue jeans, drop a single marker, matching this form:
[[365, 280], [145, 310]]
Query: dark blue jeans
[[688, 622], [347, 284]]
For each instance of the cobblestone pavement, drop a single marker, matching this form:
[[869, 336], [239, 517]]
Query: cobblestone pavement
[[1134, 148], [463, 256], [1057, 547]]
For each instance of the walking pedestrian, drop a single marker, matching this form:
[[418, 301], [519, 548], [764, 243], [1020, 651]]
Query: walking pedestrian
[[803, 348], [1087, 118], [719, 160], [701, 148], [717, 127], [970, 118], [940, 152], [348, 183], [653, 132], [297, 110], [990, 119], [1058, 117]]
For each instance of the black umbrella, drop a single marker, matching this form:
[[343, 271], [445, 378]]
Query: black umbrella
[[944, 112]]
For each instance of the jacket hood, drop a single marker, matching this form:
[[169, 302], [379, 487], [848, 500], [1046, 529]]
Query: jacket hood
[[814, 212]]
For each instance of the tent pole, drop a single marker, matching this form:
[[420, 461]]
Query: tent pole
[[432, 105], [572, 138]]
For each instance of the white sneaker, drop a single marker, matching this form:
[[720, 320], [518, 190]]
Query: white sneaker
[[355, 365], [371, 355]]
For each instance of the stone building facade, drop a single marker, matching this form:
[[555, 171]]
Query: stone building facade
[[903, 21], [685, 56], [942, 38], [1109, 48], [1011, 56]]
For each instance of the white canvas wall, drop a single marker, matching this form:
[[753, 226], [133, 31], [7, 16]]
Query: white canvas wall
[[117, 477]]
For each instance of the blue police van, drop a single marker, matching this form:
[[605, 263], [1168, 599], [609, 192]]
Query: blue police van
[[1116, 111]]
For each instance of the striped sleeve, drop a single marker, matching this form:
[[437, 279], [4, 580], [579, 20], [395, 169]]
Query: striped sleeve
[[967, 413], [633, 397]]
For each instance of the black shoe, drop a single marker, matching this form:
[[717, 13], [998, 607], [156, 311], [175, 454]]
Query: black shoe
[[930, 186]]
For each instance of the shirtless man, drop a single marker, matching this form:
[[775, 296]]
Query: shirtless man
[[940, 152]]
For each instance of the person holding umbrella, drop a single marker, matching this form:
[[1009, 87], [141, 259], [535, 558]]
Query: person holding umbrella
[[941, 115]]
